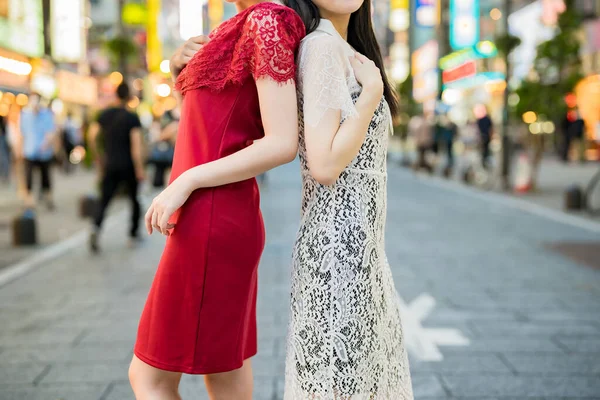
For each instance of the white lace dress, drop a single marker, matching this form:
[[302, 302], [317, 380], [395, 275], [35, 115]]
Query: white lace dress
[[345, 340]]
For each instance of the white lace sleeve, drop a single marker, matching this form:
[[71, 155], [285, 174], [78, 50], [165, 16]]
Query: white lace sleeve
[[323, 81]]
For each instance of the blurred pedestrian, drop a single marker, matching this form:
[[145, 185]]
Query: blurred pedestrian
[[486, 130], [38, 133], [163, 148], [447, 132], [575, 132], [420, 129], [5, 156], [70, 137], [120, 161]]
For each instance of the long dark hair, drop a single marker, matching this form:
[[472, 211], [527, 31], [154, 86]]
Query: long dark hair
[[361, 37]]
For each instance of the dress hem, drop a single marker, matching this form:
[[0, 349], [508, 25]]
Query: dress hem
[[191, 370]]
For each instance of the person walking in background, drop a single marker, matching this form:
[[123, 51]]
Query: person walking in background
[[5, 152], [486, 130], [70, 137], [420, 129], [575, 132], [120, 160], [38, 133], [447, 132], [162, 150]]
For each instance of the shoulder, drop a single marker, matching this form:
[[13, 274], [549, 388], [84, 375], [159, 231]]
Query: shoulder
[[274, 21], [320, 43]]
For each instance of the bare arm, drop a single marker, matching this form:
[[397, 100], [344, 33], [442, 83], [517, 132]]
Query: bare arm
[[136, 152], [330, 146], [279, 146], [93, 132]]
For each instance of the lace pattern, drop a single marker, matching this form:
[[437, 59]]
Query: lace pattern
[[258, 42], [345, 338], [328, 82]]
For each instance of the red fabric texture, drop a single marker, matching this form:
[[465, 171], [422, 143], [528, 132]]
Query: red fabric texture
[[258, 42], [200, 316]]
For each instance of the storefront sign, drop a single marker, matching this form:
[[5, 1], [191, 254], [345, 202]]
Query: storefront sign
[[191, 17], [464, 23], [21, 27], [68, 34], [154, 54], [475, 80], [14, 70], [485, 49], [465, 70], [426, 13], [424, 71], [76, 88]]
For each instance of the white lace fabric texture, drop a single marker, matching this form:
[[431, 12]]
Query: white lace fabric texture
[[345, 339]]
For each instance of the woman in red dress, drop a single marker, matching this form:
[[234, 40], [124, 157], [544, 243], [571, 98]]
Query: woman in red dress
[[239, 119]]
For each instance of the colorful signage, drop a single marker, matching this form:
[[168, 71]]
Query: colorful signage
[[476, 80], [464, 23], [154, 54], [76, 88], [68, 34], [426, 13], [485, 49], [465, 70], [424, 71], [21, 27]]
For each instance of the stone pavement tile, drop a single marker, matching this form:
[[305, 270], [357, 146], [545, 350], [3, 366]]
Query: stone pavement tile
[[580, 345], [126, 331], [427, 385], [192, 388], [21, 372], [461, 364], [447, 314], [537, 329], [63, 353], [45, 336], [87, 372], [552, 364], [52, 392], [477, 386], [504, 345], [561, 316]]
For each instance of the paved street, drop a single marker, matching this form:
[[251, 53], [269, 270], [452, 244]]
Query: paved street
[[496, 306]]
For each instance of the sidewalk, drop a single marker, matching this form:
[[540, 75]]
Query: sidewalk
[[491, 309], [555, 177], [52, 226]]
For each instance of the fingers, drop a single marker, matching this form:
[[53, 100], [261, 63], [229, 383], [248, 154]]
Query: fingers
[[148, 219], [163, 223], [155, 219], [200, 39], [361, 58], [355, 63]]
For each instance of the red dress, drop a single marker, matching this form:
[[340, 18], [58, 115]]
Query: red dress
[[200, 316]]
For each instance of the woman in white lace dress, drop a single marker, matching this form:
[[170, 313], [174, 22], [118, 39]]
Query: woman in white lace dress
[[345, 340]]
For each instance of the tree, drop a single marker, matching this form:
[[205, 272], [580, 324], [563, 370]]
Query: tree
[[557, 69]]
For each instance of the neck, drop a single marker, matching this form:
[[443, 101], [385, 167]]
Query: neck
[[241, 5], [340, 22]]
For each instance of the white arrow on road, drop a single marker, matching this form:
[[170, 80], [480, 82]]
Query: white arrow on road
[[423, 342]]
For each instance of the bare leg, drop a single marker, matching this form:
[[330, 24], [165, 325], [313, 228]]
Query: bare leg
[[231, 385], [149, 383]]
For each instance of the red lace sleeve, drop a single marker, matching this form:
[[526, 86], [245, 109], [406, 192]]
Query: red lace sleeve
[[260, 42], [275, 34]]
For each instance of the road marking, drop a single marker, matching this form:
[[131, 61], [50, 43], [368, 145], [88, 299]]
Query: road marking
[[423, 342], [515, 203]]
